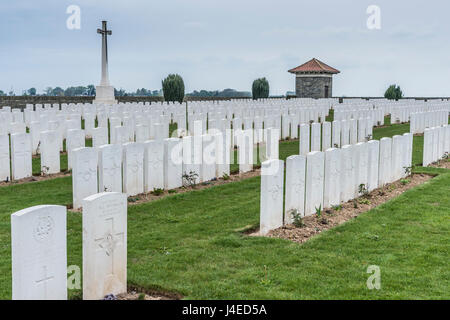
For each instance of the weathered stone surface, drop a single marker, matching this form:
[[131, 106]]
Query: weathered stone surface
[[385, 168], [313, 87], [84, 174], [5, 168], [336, 134], [326, 136], [110, 168], [133, 168], [173, 163], [153, 165], [39, 253], [332, 187], [315, 171], [316, 137], [271, 214], [373, 165], [104, 245], [347, 174], [304, 139], [295, 187], [21, 156], [50, 160], [99, 136]]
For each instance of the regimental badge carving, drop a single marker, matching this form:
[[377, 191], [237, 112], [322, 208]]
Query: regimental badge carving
[[43, 228], [274, 192]]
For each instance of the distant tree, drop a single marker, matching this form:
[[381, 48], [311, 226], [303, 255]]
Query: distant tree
[[31, 91], [2, 93], [48, 91], [260, 88], [11, 93], [393, 93], [75, 91], [120, 93], [173, 88], [58, 91], [90, 90]]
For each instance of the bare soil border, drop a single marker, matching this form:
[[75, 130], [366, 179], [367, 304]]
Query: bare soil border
[[313, 225], [444, 163]]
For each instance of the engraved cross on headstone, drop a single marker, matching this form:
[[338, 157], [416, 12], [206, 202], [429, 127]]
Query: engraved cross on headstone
[[44, 280], [108, 242], [105, 33]]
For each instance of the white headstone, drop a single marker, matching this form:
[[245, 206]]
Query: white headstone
[[50, 160], [209, 158], [304, 139], [326, 136], [99, 136], [153, 165], [173, 163], [5, 168], [315, 137], [271, 206], [295, 187], [75, 139], [39, 253], [373, 165], [133, 168], [385, 167], [84, 174], [110, 168], [104, 245], [21, 157], [332, 179], [315, 170]]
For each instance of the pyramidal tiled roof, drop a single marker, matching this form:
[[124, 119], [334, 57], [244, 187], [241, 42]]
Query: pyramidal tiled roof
[[314, 66]]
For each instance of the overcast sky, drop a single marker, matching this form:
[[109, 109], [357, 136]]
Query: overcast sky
[[227, 44]]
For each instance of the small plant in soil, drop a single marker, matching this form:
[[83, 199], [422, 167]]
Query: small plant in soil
[[157, 191], [297, 218], [362, 190], [172, 191], [319, 211], [190, 179], [408, 170], [225, 177], [141, 296], [364, 201], [45, 170], [265, 280], [392, 187], [133, 199], [355, 204], [337, 207], [405, 181]]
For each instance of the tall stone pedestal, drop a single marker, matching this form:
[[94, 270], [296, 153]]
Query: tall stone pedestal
[[105, 95]]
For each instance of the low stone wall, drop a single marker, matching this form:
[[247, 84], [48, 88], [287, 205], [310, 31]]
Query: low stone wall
[[22, 101]]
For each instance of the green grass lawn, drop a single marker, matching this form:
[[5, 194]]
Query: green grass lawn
[[190, 243]]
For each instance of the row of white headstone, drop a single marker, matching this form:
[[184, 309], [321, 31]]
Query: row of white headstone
[[436, 144], [136, 168], [320, 137], [422, 120], [39, 249], [326, 179]]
